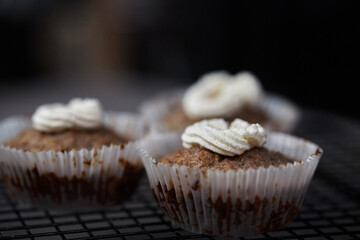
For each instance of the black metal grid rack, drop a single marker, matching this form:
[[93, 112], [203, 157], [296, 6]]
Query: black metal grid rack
[[331, 209]]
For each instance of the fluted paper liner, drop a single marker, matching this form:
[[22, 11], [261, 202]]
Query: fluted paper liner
[[76, 179], [231, 203], [283, 115]]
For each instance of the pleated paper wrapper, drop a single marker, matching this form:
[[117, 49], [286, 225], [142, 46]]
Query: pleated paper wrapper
[[231, 203], [74, 180]]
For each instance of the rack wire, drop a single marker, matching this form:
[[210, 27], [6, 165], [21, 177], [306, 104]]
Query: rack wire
[[331, 209]]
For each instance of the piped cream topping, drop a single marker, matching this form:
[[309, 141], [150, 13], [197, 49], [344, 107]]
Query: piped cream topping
[[220, 94], [52, 117], [86, 113], [78, 113], [220, 137]]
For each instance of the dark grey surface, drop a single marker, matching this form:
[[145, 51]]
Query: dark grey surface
[[118, 92], [331, 209]]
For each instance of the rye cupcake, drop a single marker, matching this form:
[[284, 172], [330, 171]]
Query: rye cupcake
[[229, 179], [221, 95], [71, 156]]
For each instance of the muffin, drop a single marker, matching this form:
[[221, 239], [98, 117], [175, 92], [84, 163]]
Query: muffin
[[229, 179], [71, 156], [221, 95]]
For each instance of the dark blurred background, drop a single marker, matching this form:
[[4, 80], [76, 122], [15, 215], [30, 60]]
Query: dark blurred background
[[126, 51]]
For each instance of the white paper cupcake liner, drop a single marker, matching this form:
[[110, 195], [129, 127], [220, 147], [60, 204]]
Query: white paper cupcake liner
[[282, 113], [231, 203], [77, 179]]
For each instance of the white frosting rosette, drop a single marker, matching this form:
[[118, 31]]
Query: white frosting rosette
[[220, 94], [221, 137], [231, 203], [75, 180], [78, 113]]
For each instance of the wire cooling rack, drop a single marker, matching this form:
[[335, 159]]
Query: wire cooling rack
[[331, 209]]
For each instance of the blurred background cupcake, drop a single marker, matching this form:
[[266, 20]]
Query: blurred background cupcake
[[220, 94], [68, 156]]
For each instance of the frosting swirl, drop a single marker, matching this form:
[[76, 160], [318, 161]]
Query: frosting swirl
[[52, 118], [248, 86], [220, 94], [220, 137], [86, 113], [80, 113]]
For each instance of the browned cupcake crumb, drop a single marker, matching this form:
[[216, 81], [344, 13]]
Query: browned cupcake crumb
[[73, 139], [177, 119], [203, 158]]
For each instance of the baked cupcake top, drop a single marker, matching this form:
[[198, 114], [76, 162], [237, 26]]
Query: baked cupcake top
[[219, 94], [217, 145], [66, 127]]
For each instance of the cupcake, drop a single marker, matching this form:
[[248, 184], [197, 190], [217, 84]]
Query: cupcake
[[229, 179], [71, 156], [221, 95]]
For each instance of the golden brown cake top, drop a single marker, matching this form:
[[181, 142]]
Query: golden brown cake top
[[71, 139], [205, 159], [177, 119]]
